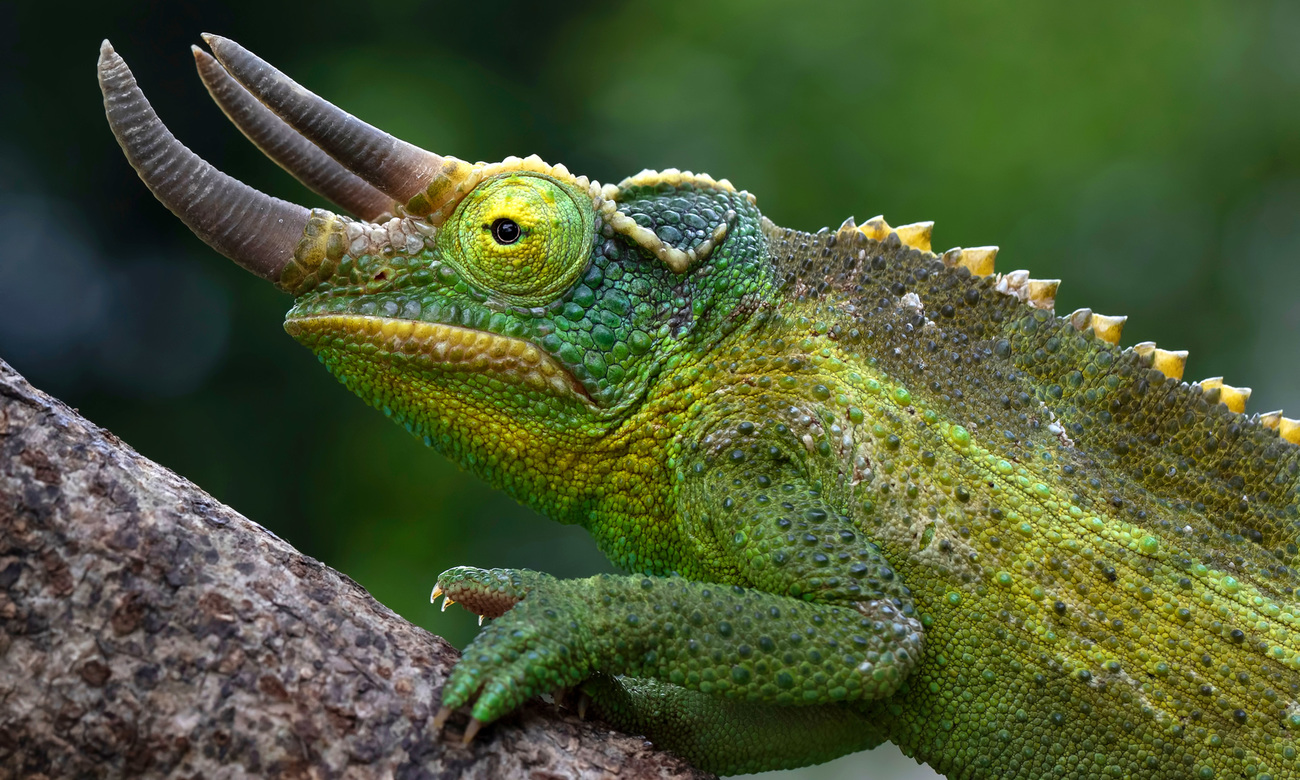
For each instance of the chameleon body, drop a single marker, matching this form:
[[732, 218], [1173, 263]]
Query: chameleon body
[[862, 491]]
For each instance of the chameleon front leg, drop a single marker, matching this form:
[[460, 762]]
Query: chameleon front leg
[[709, 662], [715, 733], [718, 639], [814, 617]]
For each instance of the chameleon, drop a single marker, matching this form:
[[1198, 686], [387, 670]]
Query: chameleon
[[861, 491]]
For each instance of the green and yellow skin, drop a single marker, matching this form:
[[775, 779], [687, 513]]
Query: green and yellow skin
[[1098, 558], [863, 492]]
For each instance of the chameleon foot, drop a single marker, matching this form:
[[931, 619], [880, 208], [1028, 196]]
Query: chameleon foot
[[533, 645]]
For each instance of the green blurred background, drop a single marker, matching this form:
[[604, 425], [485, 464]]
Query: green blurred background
[[1146, 153]]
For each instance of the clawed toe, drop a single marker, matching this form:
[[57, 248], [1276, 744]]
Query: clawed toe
[[474, 725], [471, 730], [561, 697], [440, 719]]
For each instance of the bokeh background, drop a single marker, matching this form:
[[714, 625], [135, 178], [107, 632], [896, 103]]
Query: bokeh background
[[1146, 153]]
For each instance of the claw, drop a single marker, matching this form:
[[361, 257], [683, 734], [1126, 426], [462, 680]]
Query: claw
[[474, 725], [446, 602], [437, 591], [583, 701], [480, 619], [440, 719], [561, 697]]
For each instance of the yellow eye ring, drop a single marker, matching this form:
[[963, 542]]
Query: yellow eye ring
[[522, 237]]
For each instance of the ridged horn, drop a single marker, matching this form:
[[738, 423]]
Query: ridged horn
[[303, 160], [395, 167], [255, 230]]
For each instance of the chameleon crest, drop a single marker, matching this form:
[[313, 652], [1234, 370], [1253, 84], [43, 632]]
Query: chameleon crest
[[863, 491]]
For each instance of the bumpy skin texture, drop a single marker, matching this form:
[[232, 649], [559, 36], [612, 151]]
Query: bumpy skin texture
[[861, 493]]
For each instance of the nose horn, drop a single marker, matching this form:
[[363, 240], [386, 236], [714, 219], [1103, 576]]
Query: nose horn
[[255, 230], [277, 140], [395, 167]]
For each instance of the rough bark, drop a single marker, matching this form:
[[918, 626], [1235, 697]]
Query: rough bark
[[148, 630]]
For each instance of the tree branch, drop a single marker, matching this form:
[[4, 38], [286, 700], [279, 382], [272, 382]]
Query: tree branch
[[148, 630]]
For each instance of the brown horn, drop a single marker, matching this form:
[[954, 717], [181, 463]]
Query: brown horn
[[255, 230], [399, 169], [277, 140]]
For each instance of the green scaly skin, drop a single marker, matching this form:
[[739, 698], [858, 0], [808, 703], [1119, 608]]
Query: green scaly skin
[[1098, 560], [861, 493]]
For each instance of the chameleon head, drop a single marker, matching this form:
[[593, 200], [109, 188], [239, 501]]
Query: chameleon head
[[508, 313]]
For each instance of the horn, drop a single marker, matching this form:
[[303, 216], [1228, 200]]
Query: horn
[[395, 167], [255, 230], [277, 140]]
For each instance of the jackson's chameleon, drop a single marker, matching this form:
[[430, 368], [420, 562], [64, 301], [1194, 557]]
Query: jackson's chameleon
[[863, 491]]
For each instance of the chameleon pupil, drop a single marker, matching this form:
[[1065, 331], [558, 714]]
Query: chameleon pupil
[[506, 231]]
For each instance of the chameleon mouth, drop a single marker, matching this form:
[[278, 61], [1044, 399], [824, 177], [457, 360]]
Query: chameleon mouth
[[445, 347]]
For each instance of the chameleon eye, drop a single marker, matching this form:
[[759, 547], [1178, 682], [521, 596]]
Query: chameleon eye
[[522, 236], [506, 231]]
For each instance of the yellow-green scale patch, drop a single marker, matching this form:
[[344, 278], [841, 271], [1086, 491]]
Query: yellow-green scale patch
[[1041, 612], [1059, 628], [1070, 618], [1080, 612]]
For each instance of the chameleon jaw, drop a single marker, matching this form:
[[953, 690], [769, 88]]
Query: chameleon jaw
[[447, 347]]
